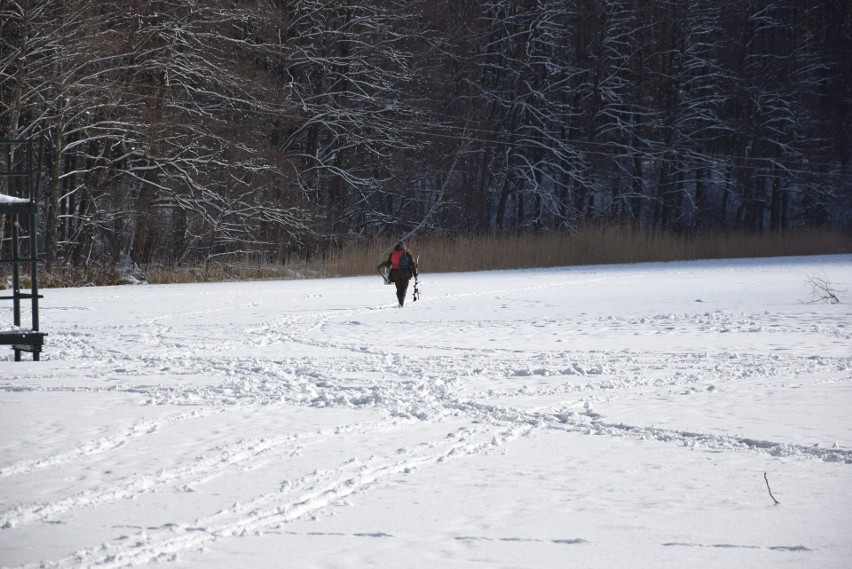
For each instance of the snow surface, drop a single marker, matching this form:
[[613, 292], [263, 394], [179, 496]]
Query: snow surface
[[611, 416], [5, 199]]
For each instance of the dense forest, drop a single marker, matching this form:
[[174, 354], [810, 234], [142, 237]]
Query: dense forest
[[175, 131]]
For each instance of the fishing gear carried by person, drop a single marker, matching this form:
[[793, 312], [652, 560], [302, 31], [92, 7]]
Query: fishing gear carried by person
[[416, 295]]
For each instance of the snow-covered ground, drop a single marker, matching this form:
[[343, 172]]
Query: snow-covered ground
[[612, 416]]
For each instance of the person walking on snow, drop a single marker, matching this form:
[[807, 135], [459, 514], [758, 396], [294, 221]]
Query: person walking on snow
[[402, 268]]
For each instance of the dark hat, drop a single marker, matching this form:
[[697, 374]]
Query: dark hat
[[400, 245]]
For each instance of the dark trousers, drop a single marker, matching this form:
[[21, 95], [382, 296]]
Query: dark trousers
[[400, 277]]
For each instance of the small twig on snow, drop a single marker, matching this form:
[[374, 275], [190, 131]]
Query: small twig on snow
[[822, 290], [770, 489]]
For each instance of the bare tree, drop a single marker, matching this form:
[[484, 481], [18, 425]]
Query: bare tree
[[156, 115], [349, 67]]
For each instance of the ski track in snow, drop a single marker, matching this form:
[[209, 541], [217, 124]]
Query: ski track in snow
[[428, 388], [241, 454], [296, 499]]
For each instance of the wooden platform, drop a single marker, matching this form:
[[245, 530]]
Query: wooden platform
[[24, 341]]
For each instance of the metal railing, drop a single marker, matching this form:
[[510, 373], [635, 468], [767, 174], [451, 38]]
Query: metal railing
[[18, 184]]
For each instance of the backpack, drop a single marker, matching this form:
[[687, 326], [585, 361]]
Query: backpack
[[400, 259]]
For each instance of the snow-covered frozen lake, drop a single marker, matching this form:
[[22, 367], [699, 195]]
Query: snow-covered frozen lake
[[611, 416]]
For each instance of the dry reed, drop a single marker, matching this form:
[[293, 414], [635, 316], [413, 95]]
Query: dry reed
[[444, 253]]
